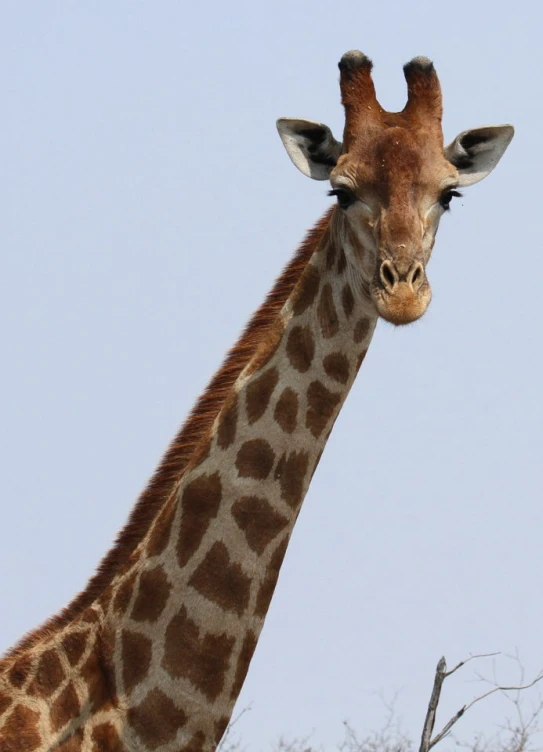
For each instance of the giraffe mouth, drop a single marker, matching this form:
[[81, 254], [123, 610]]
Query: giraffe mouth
[[403, 305]]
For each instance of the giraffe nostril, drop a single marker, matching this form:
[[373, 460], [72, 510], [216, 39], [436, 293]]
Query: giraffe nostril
[[389, 276], [415, 276]]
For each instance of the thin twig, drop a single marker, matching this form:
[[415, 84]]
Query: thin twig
[[504, 689], [231, 725], [471, 658], [448, 726]]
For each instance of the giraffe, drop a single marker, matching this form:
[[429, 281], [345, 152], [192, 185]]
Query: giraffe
[[151, 656]]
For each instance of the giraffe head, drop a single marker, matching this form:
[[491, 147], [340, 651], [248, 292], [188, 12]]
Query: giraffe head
[[393, 179]]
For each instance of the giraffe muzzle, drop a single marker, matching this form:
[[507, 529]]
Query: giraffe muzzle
[[401, 291]]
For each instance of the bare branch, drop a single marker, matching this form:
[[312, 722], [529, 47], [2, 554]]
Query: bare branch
[[448, 726], [441, 674]]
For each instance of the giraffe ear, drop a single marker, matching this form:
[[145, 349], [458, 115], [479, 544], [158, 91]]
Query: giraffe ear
[[311, 146], [475, 153]]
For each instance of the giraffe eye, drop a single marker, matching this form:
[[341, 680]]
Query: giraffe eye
[[344, 197], [447, 196]]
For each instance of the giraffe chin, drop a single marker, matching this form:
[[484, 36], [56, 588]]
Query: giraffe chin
[[404, 305]]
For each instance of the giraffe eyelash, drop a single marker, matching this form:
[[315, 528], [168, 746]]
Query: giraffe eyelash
[[344, 197], [447, 196]]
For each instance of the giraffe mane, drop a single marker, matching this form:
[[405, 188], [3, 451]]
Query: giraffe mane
[[183, 447]]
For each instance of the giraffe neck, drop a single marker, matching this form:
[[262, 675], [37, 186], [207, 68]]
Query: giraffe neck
[[194, 603], [159, 658]]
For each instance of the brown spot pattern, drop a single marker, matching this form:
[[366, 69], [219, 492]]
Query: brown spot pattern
[[226, 432], [105, 737], [74, 743], [361, 330], [160, 534], [244, 659], [222, 581], [49, 675], [330, 256], [137, 651], [347, 300], [321, 404], [361, 359], [74, 644], [286, 410], [153, 592], [259, 393], [306, 291], [124, 593], [203, 659], [258, 520], [270, 579], [290, 473], [65, 707], [341, 261], [327, 313], [336, 366], [317, 462], [20, 670], [195, 743], [20, 731], [5, 702], [90, 616], [220, 727], [93, 674], [300, 348], [200, 502], [156, 720], [105, 599], [255, 459]]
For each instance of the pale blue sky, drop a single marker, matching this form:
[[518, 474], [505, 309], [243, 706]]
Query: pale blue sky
[[147, 205]]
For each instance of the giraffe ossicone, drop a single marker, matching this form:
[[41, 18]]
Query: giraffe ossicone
[[151, 656]]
